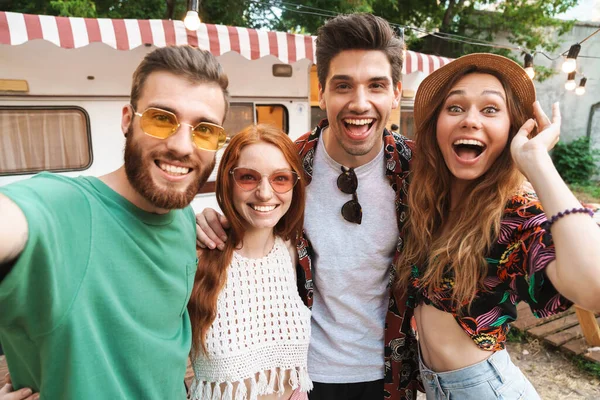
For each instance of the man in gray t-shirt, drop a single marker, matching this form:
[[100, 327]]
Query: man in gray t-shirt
[[355, 172]]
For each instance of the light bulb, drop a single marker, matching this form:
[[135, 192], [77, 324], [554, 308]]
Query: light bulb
[[569, 65], [530, 72], [580, 90], [570, 85], [191, 21]]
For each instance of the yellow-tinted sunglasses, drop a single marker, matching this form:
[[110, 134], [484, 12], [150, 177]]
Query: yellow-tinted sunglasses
[[161, 124]]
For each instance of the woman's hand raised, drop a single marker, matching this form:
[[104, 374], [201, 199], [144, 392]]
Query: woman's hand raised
[[527, 152]]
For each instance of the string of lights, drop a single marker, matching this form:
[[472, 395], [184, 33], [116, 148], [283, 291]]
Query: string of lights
[[332, 13], [569, 66], [442, 35], [592, 34]]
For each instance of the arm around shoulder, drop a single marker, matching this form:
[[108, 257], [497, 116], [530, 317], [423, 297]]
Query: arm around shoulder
[[7, 392], [13, 230], [210, 229]]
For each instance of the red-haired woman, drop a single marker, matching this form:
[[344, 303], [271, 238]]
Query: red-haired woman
[[478, 240], [250, 328]]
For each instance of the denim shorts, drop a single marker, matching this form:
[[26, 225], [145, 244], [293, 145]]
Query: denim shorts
[[494, 378]]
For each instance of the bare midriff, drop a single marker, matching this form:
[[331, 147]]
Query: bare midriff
[[445, 346]]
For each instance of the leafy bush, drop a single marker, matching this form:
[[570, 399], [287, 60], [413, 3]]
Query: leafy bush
[[576, 161]]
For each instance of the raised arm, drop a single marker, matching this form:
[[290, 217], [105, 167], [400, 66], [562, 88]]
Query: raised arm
[[210, 229], [13, 231], [576, 271]]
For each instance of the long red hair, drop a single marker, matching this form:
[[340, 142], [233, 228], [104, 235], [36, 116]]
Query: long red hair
[[211, 275]]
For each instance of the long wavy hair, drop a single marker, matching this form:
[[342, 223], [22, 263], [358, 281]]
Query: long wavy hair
[[460, 248], [211, 275]]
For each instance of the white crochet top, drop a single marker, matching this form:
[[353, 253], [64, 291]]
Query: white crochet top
[[261, 326]]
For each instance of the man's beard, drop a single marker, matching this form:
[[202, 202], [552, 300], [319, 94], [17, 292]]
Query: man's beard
[[138, 173]]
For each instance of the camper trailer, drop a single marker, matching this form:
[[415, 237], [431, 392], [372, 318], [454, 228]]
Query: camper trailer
[[61, 92], [64, 81]]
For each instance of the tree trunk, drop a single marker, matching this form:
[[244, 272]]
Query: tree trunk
[[170, 8], [453, 7], [448, 15]]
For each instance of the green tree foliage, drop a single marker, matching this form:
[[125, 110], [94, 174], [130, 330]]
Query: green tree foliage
[[144, 9], [576, 161], [306, 16], [232, 12], [525, 23], [83, 8], [135, 9], [27, 6]]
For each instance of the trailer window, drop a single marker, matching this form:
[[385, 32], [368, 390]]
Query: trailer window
[[34, 139], [273, 114], [240, 115]]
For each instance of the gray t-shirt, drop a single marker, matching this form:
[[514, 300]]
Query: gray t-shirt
[[351, 271]]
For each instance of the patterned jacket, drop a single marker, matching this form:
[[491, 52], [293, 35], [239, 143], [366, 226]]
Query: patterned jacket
[[401, 379]]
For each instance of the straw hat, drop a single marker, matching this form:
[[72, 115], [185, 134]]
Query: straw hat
[[514, 75]]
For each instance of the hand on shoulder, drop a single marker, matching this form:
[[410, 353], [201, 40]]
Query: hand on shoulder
[[7, 393], [210, 229]]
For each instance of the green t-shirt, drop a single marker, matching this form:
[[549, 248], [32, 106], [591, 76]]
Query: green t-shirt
[[95, 306]]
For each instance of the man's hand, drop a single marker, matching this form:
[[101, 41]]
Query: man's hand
[[13, 230], [210, 229], [6, 393]]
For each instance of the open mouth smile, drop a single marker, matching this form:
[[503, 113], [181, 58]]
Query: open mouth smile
[[358, 128], [468, 149]]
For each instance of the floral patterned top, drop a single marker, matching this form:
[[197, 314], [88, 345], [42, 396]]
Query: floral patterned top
[[516, 266]]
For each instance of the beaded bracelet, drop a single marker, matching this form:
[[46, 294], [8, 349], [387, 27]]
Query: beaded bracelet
[[567, 212]]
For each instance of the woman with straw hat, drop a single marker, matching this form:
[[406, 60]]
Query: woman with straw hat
[[478, 239]]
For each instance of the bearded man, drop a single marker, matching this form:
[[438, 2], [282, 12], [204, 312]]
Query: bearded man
[[96, 273]]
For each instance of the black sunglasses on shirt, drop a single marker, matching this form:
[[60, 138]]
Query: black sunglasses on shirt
[[347, 182]]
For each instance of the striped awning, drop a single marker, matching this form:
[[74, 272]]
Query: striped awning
[[126, 34], [425, 63]]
